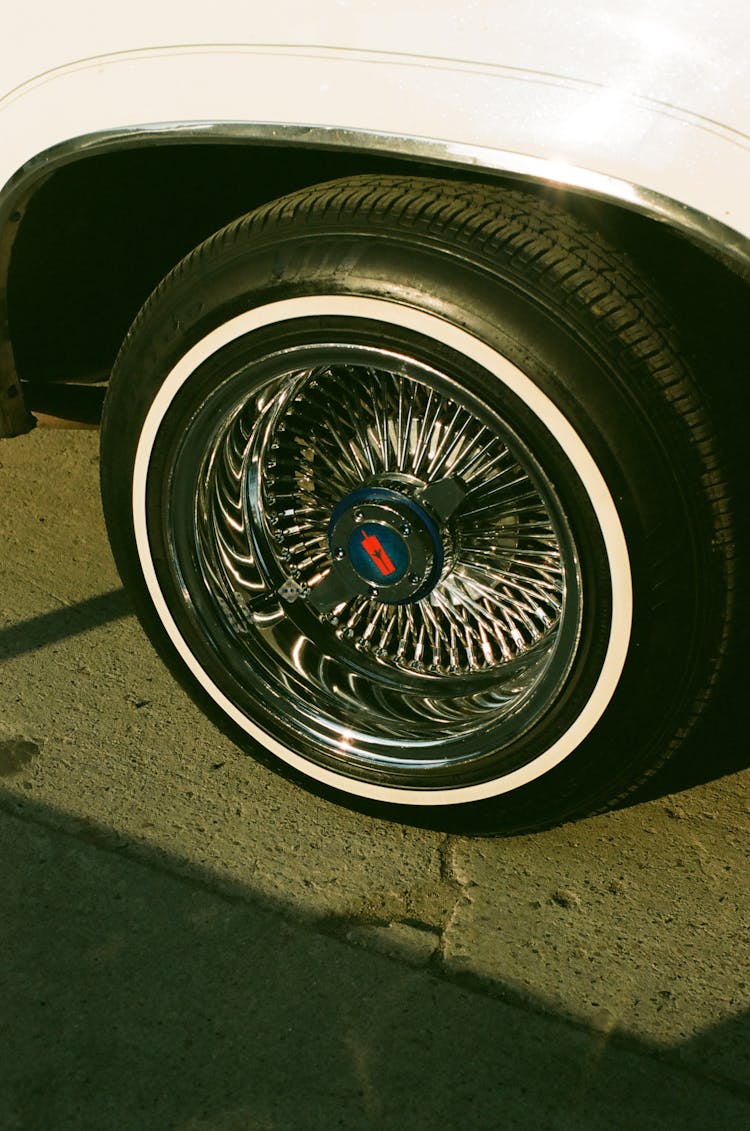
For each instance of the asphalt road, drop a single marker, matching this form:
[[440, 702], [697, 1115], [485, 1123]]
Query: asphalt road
[[190, 942]]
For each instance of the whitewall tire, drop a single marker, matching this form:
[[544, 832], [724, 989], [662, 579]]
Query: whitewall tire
[[410, 488]]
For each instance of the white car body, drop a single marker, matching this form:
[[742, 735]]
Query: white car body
[[643, 102]]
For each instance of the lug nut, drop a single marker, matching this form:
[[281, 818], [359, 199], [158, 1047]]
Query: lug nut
[[373, 591], [338, 553], [358, 516], [405, 529], [414, 578]]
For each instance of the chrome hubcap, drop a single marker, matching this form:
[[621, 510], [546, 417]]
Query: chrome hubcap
[[376, 561], [387, 544], [504, 591]]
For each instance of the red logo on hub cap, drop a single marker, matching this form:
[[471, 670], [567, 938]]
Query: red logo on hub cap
[[372, 546]]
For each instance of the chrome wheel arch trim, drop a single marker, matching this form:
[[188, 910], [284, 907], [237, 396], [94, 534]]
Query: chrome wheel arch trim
[[578, 454], [720, 239]]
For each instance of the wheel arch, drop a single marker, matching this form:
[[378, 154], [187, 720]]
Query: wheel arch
[[136, 200]]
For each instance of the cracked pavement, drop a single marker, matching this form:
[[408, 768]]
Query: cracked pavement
[[191, 942]]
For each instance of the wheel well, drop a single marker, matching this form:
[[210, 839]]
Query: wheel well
[[100, 233]]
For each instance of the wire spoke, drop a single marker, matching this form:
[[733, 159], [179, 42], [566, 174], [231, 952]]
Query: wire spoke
[[337, 428]]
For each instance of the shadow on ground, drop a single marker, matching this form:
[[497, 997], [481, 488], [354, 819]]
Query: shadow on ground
[[138, 998], [61, 624]]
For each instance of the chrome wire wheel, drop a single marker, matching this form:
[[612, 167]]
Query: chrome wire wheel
[[419, 667], [415, 495]]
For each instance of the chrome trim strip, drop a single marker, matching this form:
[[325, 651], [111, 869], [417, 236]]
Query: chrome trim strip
[[717, 237]]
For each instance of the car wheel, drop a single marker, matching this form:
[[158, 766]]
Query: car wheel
[[414, 494]]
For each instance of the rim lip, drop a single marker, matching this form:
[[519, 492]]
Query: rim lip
[[461, 341]]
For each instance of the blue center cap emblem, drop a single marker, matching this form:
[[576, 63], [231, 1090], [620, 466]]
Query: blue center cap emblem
[[378, 553]]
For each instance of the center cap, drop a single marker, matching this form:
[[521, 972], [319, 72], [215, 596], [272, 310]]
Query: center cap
[[386, 544], [378, 553]]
